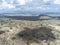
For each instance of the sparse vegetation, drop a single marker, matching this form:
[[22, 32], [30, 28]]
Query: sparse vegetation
[[11, 27], [1, 31], [33, 33], [42, 33]]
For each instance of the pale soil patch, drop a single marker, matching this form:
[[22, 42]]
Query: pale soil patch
[[18, 25]]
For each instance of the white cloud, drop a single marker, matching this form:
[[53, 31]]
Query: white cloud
[[46, 1], [12, 1], [5, 5], [31, 0], [56, 2], [21, 2], [41, 8], [9, 1], [29, 5]]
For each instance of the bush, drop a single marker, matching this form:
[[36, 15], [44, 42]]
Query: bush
[[42, 33], [1, 32]]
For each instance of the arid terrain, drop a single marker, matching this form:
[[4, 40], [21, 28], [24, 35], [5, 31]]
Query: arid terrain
[[10, 28]]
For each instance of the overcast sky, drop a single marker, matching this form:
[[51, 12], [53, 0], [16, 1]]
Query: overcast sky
[[15, 6]]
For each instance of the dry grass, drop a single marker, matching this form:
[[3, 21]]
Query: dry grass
[[12, 27]]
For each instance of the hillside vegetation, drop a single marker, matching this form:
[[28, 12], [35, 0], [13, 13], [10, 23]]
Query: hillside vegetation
[[18, 32]]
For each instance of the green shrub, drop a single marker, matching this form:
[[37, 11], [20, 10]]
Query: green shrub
[[1, 32], [34, 35]]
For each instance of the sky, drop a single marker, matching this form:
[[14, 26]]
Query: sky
[[29, 6]]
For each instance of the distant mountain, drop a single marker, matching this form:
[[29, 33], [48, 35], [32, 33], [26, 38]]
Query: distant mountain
[[31, 16]]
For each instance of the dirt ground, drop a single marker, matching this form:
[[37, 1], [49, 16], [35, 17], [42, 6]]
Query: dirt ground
[[12, 27]]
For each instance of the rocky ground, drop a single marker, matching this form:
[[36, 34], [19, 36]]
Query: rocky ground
[[9, 29]]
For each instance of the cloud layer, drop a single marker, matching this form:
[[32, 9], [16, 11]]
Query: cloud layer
[[29, 5]]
